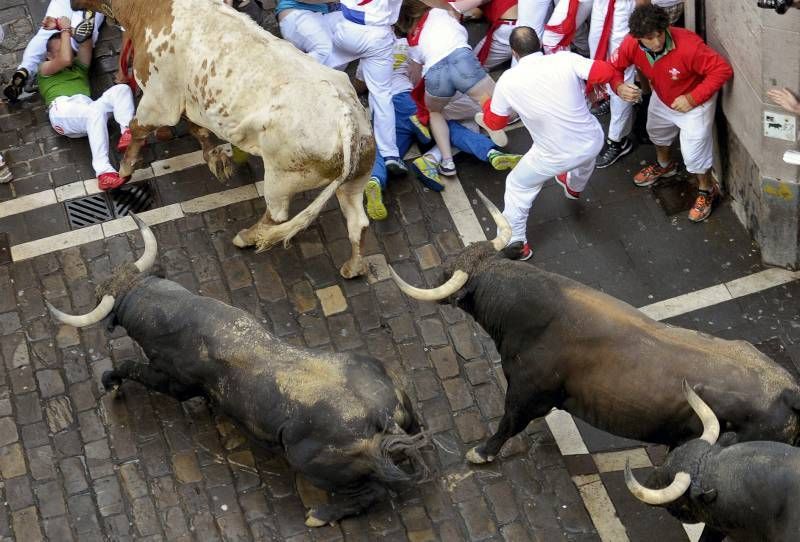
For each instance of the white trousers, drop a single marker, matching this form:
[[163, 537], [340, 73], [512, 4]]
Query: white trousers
[[374, 46], [534, 14], [309, 32], [621, 122], [499, 50], [525, 182], [80, 116], [36, 50], [551, 39], [695, 128]]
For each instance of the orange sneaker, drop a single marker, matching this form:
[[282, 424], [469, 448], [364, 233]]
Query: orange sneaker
[[654, 172], [704, 204], [109, 181]]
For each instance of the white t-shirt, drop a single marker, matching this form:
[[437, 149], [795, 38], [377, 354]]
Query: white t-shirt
[[548, 94], [401, 82], [667, 3], [441, 35], [372, 12]]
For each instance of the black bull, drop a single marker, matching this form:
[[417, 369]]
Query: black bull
[[748, 491], [565, 345], [340, 419]]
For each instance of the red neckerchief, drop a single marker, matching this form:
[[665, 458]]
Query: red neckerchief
[[567, 27], [413, 36], [493, 13]]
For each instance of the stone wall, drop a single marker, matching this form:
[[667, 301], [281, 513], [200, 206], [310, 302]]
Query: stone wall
[[764, 49]]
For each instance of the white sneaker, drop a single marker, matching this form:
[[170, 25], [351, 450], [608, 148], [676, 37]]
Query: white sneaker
[[498, 137]]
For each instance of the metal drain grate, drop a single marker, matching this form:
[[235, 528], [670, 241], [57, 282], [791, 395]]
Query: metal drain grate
[[88, 210], [131, 198], [99, 208]]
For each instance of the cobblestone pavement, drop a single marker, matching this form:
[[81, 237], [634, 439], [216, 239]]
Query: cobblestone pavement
[[78, 464]]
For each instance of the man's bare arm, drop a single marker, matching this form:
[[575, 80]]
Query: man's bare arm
[[65, 55]]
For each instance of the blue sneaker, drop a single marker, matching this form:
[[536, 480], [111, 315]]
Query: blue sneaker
[[428, 174]]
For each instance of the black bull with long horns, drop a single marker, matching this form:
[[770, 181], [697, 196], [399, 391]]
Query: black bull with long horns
[[340, 419], [747, 491], [565, 345]]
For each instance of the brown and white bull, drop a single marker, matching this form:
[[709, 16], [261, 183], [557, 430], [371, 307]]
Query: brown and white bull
[[340, 418], [204, 60], [565, 345]]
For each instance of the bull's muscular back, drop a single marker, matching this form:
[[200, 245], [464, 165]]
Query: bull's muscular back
[[258, 379], [241, 82], [613, 365]]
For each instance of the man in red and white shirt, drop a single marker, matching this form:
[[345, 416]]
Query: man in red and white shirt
[[685, 75], [548, 94]]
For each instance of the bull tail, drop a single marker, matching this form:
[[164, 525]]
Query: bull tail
[[397, 443], [285, 231]]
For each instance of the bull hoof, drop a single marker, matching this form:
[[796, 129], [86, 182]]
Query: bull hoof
[[220, 164], [477, 458], [352, 270], [239, 241], [311, 521]]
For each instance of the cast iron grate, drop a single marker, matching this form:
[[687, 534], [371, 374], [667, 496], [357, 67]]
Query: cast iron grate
[[99, 208], [88, 210], [131, 198]]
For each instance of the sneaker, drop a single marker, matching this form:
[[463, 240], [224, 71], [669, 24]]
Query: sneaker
[[124, 141], [498, 137], [654, 172], [704, 204], [614, 151], [518, 251], [602, 109], [5, 172], [569, 193], [502, 161], [85, 28], [395, 167], [427, 173], [16, 86], [421, 128], [109, 181], [376, 210], [447, 167]]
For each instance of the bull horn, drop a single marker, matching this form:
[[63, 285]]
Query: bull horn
[[503, 227], [102, 310], [657, 497], [147, 260], [456, 282], [704, 412]]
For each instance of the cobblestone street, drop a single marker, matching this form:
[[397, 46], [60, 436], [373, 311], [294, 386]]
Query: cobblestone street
[[77, 463]]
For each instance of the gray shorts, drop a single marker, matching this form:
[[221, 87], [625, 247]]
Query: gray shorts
[[458, 71]]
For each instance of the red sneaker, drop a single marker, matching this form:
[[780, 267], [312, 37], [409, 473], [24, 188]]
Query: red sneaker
[[109, 181], [569, 193], [518, 251], [124, 140]]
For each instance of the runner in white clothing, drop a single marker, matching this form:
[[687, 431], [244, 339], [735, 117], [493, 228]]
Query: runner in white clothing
[[534, 13], [548, 94], [86, 24], [364, 31], [564, 24], [608, 28]]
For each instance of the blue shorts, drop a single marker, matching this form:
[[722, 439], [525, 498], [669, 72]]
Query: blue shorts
[[458, 71]]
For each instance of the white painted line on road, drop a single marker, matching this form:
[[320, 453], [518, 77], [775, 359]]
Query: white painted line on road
[[566, 433], [27, 203], [714, 295], [55, 243], [600, 508]]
